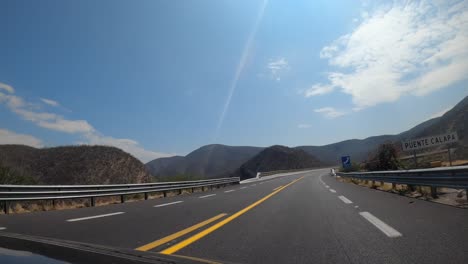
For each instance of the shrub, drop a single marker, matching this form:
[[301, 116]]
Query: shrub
[[386, 158]]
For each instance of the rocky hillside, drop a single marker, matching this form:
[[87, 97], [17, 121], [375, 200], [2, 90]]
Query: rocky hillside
[[206, 162], [277, 158], [454, 120], [71, 165]]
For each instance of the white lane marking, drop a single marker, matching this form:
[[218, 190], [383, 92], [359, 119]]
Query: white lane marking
[[262, 183], [333, 191], [326, 186], [382, 226], [92, 217], [243, 187], [277, 188], [166, 204], [321, 181], [205, 196], [253, 185], [2, 228], [230, 191], [356, 206], [345, 200]]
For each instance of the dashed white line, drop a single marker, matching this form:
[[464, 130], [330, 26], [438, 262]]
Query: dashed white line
[[205, 196], [345, 200], [333, 191], [253, 185], [229, 191], [2, 228], [92, 217], [356, 206], [277, 188], [243, 187], [326, 186], [166, 204], [382, 226], [262, 183]]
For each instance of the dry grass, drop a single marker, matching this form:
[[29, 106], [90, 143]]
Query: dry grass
[[445, 195]]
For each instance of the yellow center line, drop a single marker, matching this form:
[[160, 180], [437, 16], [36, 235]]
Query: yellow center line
[[277, 188], [178, 234], [214, 227]]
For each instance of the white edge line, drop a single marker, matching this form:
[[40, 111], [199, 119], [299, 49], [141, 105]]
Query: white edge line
[[2, 228], [229, 191], [382, 226], [92, 217], [243, 187], [205, 196], [345, 200], [333, 191], [166, 204]]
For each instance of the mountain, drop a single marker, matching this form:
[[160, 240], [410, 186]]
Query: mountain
[[71, 165], [206, 162], [454, 120], [214, 160], [277, 158]]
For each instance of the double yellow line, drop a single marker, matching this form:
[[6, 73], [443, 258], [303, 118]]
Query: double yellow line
[[207, 231]]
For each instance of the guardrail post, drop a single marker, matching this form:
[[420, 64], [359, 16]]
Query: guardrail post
[[93, 201], [164, 193], [193, 190], [146, 196], [466, 194], [434, 192], [6, 207], [393, 186], [180, 191], [122, 198], [53, 203]]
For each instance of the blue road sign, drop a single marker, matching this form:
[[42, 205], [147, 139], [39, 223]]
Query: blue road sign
[[346, 161]]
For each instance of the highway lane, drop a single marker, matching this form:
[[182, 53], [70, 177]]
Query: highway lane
[[302, 222], [139, 222]]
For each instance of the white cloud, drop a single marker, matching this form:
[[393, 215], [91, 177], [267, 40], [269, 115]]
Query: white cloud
[[57, 122], [277, 67], [7, 88], [10, 137], [49, 102], [409, 48], [304, 126], [330, 112], [128, 145], [44, 119], [318, 89]]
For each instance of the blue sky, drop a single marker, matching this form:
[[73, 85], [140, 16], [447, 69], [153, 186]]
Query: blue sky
[[159, 78]]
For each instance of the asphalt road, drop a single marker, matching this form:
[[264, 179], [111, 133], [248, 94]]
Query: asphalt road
[[300, 218]]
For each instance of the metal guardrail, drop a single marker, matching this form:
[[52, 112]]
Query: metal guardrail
[[15, 193], [449, 177]]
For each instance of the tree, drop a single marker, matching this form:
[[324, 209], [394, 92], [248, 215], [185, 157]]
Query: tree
[[386, 158]]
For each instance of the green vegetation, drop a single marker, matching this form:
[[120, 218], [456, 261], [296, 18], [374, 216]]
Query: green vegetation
[[386, 158], [354, 167], [10, 176]]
